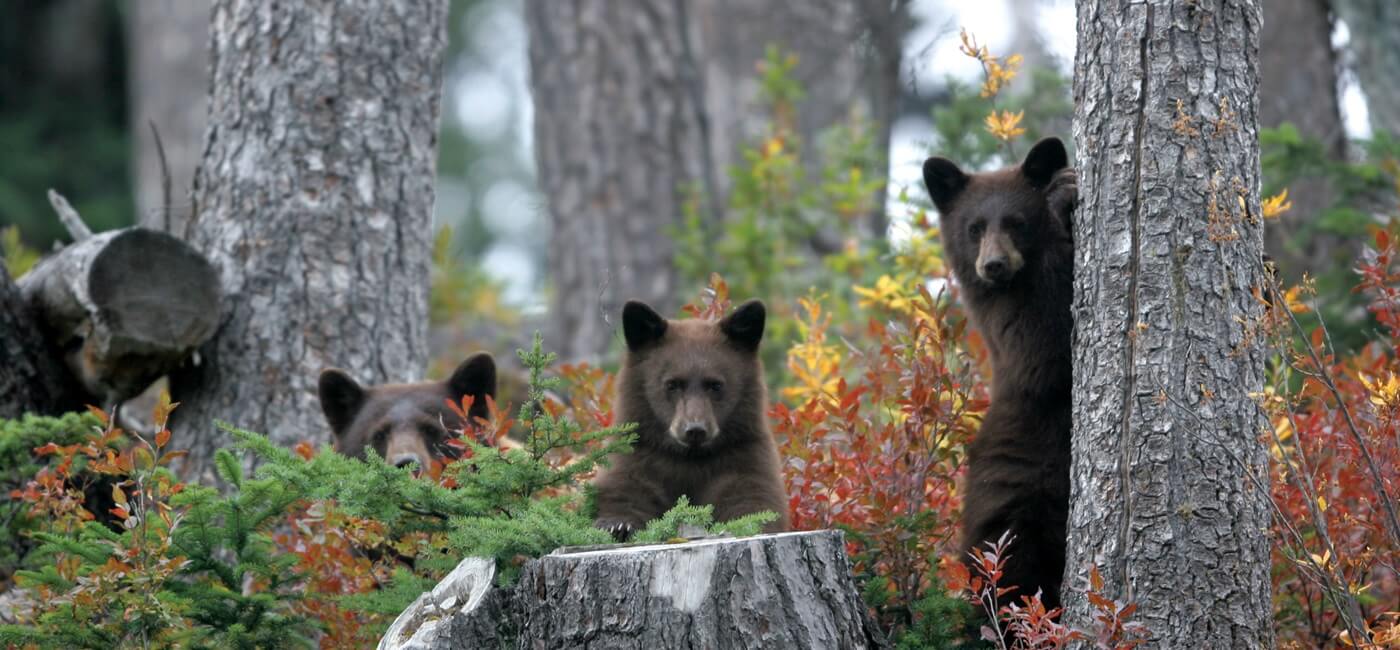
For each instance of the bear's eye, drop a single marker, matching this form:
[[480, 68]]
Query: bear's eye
[[430, 432], [381, 434], [674, 385], [714, 386], [1013, 222], [975, 228]]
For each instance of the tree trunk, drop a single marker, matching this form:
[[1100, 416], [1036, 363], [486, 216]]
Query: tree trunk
[[792, 590], [32, 379], [1298, 85], [848, 62], [1169, 494], [1375, 45], [314, 199], [620, 129], [169, 85]]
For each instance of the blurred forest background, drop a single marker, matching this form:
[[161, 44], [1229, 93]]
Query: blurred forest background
[[84, 80]]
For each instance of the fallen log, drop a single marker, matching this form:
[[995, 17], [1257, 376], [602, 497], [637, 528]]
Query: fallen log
[[123, 307], [789, 590]]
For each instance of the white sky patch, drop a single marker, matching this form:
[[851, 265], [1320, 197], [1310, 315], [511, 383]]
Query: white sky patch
[[508, 210], [512, 265], [482, 104]]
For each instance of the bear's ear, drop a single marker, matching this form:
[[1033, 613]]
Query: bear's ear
[[1045, 158], [744, 327], [944, 180], [476, 377], [341, 399], [641, 325]]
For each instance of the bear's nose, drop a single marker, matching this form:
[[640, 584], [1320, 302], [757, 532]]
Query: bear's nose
[[404, 460], [995, 268], [694, 435]]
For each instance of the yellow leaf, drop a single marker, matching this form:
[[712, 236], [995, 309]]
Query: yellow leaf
[[1321, 503], [1292, 298], [1006, 125], [1277, 205]]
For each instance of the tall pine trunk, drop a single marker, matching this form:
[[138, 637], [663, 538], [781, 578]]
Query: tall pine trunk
[[620, 129], [1375, 45], [314, 199], [1298, 85], [1164, 498], [848, 56]]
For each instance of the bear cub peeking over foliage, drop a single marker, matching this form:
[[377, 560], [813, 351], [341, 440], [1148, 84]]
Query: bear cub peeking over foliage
[[405, 424], [695, 389], [1008, 238]]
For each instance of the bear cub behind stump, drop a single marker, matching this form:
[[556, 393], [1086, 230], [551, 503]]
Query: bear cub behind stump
[[1008, 238], [695, 389], [406, 424]]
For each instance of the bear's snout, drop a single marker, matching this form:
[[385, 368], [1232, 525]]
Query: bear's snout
[[997, 258], [405, 448]]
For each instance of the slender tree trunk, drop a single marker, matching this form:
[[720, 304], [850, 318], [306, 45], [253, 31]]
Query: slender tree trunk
[[1298, 84], [1375, 44], [1165, 496], [620, 129], [848, 62], [314, 199], [169, 86]]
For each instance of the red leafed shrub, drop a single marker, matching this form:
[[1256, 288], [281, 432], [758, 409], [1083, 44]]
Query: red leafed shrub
[[873, 443], [1335, 465]]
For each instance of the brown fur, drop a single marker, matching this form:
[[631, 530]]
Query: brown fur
[[695, 389], [406, 424], [1007, 236]]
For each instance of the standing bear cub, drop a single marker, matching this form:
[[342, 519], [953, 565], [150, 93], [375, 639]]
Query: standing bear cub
[[406, 424], [695, 390], [1008, 239]]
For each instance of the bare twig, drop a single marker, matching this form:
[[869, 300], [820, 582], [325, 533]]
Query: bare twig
[[69, 217], [164, 178]]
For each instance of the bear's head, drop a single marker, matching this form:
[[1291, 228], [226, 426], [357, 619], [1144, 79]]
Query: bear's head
[[994, 223], [405, 424], [692, 385]]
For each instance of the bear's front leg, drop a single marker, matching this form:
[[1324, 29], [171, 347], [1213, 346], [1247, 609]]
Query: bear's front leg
[[736, 495], [627, 501]]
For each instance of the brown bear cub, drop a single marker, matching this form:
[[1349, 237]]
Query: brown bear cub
[[695, 390], [406, 424], [1008, 239]]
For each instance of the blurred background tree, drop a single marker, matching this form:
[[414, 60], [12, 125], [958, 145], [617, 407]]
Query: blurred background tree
[[82, 79]]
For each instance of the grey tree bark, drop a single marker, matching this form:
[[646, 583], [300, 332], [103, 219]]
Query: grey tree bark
[[168, 42], [1298, 84], [636, 101], [1375, 46], [791, 590], [1164, 498], [314, 200], [620, 128]]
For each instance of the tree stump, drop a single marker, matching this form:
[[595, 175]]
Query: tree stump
[[124, 307], [789, 590]]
